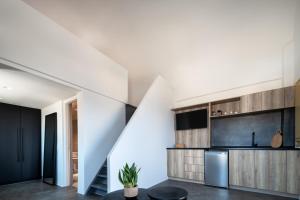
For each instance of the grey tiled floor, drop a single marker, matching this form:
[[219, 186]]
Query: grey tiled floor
[[35, 190], [201, 192]]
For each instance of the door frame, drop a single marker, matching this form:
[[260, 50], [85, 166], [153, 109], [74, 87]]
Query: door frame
[[68, 138]]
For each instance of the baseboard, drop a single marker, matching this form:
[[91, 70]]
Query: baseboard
[[295, 196], [185, 180]]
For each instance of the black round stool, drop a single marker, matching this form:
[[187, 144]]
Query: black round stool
[[168, 193]]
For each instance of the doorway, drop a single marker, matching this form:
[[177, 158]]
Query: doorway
[[74, 143]]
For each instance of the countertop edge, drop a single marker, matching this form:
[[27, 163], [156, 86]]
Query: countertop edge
[[238, 148]]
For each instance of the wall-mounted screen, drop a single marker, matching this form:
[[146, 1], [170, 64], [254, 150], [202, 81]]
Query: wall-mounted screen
[[191, 120]]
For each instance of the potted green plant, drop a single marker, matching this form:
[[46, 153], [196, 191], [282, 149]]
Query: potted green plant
[[128, 176]]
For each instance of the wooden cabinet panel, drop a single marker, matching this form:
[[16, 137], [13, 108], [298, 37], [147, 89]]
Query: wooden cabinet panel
[[270, 170], [176, 163], [273, 99], [289, 97], [262, 170], [241, 168], [171, 163], [297, 117], [194, 165], [278, 173], [196, 138], [293, 172], [278, 98], [251, 103], [244, 104], [267, 100], [186, 164], [179, 167], [254, 102]]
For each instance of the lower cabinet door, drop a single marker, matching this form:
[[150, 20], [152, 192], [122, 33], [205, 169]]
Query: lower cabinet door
[[194, 165], [241, 168], [262, 170], [271, 170], [277, 168], [176, 163], [179, 164], [293, 172]]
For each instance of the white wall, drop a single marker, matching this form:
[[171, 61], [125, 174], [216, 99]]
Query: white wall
[[297, 42], [100, 122], [145, 138], [60, 169], [199, 46], [39, 45]]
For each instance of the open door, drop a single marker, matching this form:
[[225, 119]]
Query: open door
[[74, 143], [49, 170]]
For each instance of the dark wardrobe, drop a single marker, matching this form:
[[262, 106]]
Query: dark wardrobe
[[20, 144]]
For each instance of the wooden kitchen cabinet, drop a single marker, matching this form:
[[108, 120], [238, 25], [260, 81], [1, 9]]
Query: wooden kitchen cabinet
[[273, 99], [262, 169], [251, 103], [176, 163], [241, 168], [267, 100], [186, 164], [194, 165], [270, 170], [277, 171], [254, 102], [289, 97], [293, 172], [244, 104]]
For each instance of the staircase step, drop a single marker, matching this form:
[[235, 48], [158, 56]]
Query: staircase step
[[103, 171], [101, 187], [100, 192], [101, 180], [102, 175]]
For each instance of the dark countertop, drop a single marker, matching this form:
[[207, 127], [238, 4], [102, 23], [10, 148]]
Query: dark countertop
[[237, 148]]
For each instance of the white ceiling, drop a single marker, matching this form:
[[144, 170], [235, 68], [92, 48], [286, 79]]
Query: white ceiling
[[24, 89], [192, 43]]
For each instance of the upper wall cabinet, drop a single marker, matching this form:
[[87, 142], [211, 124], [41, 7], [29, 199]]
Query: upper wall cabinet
[[260, 101], [273, 99], [289, 97], [268, 100], [254, 102], [251, 103]]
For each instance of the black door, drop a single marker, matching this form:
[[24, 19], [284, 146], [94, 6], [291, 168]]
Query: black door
[[31, 143], [49, 172], [10, 139]]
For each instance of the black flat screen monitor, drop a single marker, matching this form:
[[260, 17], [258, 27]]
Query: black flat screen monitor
[[191, 120]]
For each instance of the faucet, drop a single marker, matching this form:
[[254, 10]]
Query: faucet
[[253, 140]]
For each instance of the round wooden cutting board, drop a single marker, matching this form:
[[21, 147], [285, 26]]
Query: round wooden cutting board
[[277, 140]]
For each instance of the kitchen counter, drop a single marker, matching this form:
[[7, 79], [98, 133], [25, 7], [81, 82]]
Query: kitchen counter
[[237, 148]]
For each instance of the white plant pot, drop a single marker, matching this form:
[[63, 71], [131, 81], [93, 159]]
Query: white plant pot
[[131, 192]]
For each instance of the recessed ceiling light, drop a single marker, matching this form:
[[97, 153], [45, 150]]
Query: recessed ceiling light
[[7, 87], [1, 98]]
